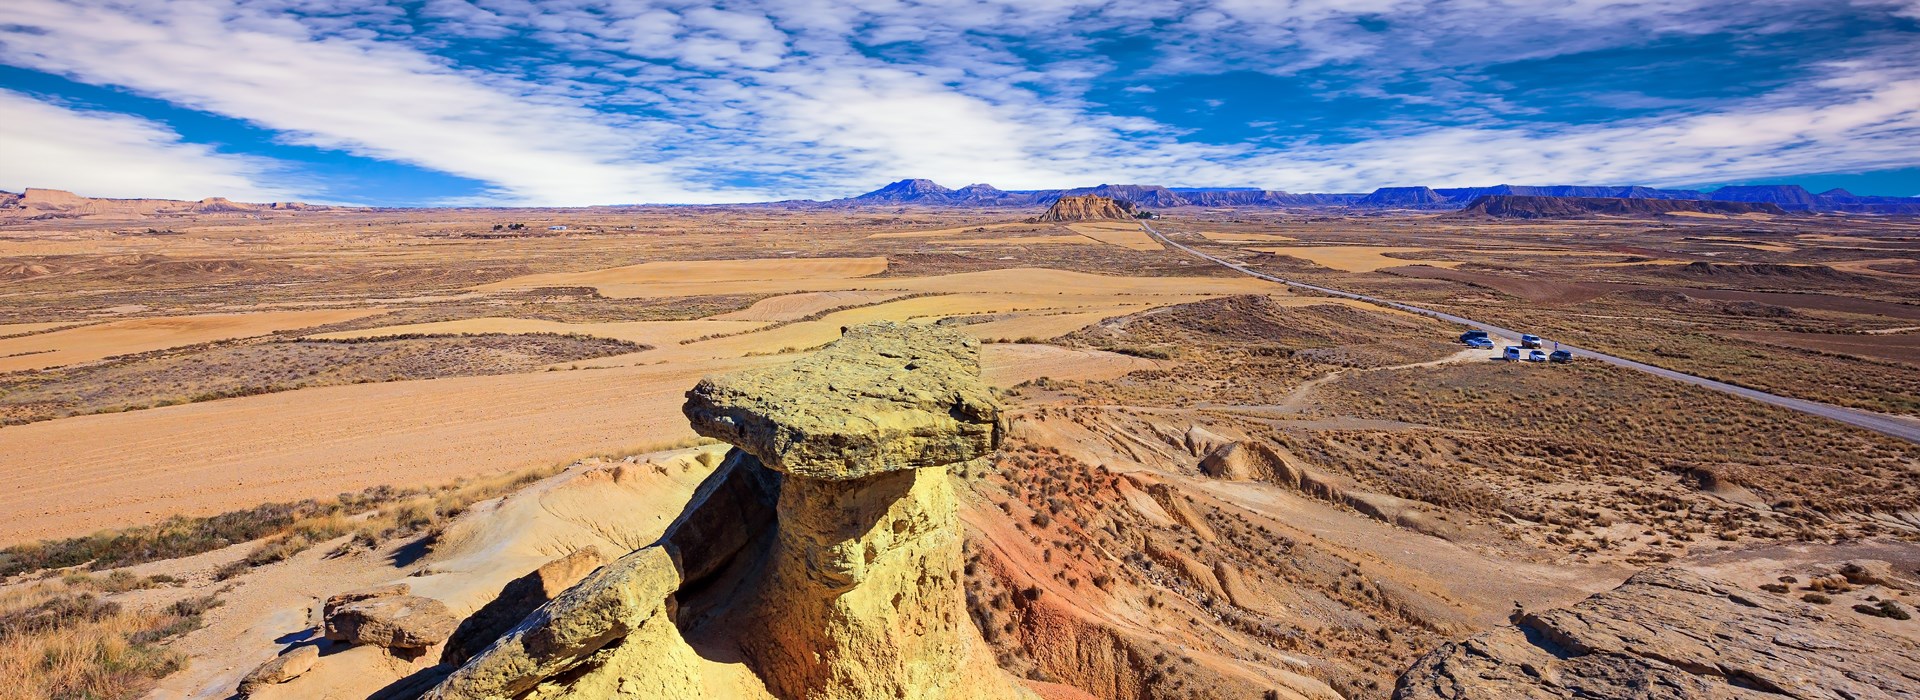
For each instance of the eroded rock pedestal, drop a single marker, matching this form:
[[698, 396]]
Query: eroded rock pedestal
[[823, 555]]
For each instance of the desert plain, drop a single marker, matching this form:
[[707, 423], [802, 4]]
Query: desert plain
[[1211, 484]]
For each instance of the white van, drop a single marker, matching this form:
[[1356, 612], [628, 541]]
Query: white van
[[1512, 354]]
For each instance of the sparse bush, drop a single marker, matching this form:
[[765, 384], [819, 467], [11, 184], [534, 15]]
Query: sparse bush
[[295, 526], [1817, 598], [1886, 608], [59, 643]]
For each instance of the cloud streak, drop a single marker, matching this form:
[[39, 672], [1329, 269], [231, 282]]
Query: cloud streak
[[608, 101], [114, 155]]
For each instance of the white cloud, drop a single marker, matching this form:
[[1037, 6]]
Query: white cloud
[[661, 100], [101, 154], [379, 100]]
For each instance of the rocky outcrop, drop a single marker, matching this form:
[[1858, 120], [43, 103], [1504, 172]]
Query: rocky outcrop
[[824, 553], [1667, 633], [387, 617], [1201, 442], [1414, 197], [518, 599], [1088, 208], [280, 669]]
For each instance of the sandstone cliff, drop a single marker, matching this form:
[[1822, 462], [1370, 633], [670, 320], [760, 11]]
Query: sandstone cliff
[[1088, 207]]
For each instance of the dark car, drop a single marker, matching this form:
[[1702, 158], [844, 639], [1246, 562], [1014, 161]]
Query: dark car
[[1470, 336], [1560, 356]]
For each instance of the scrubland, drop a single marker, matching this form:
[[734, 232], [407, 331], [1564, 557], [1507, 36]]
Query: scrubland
[[1226, 485]]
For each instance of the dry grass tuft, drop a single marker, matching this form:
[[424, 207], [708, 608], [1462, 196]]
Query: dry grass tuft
[[60, 640], [372, 515]]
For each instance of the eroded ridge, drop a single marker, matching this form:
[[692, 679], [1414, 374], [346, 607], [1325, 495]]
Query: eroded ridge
[[1670, 633]]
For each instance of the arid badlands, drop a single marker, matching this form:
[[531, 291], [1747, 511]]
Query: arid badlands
[[1112, 443]]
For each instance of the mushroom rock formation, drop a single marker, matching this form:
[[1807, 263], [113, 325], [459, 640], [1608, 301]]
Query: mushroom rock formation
[[854, 591], [862, 596]]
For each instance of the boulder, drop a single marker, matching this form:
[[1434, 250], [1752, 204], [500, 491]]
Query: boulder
[[1201, 442], [281, 669], [387, 617], [1242, 461], [1870, 572], [1669, 633]]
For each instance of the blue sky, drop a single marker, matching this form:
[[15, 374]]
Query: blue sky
[[573, 102]]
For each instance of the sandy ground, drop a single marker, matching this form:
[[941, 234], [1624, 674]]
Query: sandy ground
[[77, 475], [944, 232], [10, 329], [1899, 347], [1020, 240], [1355, 258], [215, 456], [1219, 237], [655, 333], [633, 283], [719, 273], [792, 306], [1745, 243], [1127, 236], [102, 340], [613, 508]]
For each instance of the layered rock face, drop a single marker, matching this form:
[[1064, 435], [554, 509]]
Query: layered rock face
[[1088, 208], [1667, 633], [824, 553]]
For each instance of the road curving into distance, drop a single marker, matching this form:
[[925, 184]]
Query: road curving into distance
[[1893, 426]]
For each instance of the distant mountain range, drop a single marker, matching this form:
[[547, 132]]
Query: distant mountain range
[[1789, 198], [1509, 206], [37, 203]]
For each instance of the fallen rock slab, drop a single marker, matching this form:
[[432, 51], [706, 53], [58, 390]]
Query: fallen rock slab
[[281, 669], [518, 599]]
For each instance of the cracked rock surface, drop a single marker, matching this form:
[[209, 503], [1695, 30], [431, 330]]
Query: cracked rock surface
[[1668, 633]]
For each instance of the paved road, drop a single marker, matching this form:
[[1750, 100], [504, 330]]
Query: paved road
[[1895, 426]]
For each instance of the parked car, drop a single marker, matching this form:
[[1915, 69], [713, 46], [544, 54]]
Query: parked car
[[1472, 335], [1512, 353], [1560, 356], [1482, 343], [1537, 356], [1529, 340]]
